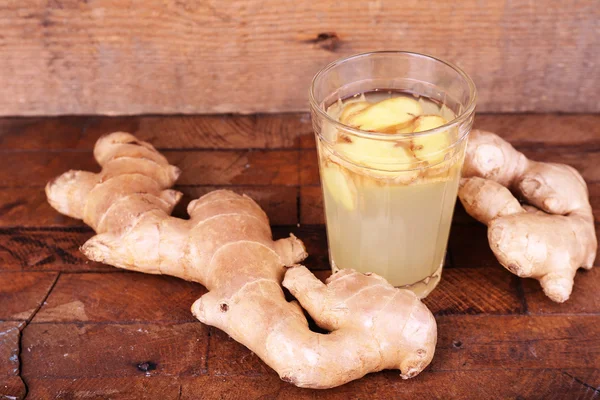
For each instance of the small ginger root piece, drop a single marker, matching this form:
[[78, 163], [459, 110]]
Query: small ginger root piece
[[227, 246], [550, 237]]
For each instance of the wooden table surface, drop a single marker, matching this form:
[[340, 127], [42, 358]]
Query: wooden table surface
[[74, 329]]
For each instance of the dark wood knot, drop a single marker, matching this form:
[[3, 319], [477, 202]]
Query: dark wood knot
[[329, 41], [146, 366]]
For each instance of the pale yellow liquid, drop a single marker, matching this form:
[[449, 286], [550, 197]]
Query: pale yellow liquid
[[397, 228]]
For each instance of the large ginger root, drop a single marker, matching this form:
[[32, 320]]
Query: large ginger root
[[226, 245], [550, 238]]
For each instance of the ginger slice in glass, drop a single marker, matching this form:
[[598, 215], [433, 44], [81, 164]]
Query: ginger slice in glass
[[339, 185], [430, 146], [386, 114]]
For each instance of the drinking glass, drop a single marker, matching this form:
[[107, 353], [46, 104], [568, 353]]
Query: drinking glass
[[387, 214]]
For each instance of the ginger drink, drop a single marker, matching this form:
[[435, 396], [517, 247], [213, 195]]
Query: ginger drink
[[390, 162]]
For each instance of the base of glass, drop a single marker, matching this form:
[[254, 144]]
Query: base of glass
[[425, 286], [421, 288]]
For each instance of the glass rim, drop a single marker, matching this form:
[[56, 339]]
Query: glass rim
[[469, 109]]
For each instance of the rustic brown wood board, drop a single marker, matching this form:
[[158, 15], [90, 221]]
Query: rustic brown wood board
[[70, 328], [209, 56]]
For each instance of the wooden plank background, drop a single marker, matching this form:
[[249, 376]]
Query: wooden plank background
[[70, 328], [247, 56]]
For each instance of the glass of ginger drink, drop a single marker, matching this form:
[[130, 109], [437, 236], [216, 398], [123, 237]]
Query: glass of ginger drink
[[391, 130]]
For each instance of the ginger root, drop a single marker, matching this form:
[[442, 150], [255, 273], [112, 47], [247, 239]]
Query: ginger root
[[226, 245], [550, 237]]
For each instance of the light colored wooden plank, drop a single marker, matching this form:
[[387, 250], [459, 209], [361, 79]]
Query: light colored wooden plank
[[204, 56]]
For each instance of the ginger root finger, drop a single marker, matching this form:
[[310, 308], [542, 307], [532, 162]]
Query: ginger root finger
[[486, 200], [554, 188], [227, 246], [548, 238], [356, 301], [528, 242]]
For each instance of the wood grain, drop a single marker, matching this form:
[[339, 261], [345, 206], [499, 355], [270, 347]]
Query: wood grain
[[160, 387], [32, 249], [28, 207], [262, 131], [113, 350], [107, 333], [133, 297], [469, 247], [126, 297], [504, 384], [140, 57], [583, 300], [472, 344], [240, 167], [309, 167], [226, 357], [100, 388], [46, 250], [311, 205], [594, 190], [22, 293], [532, 384], [35, 169], [580, 132], [485, 290], [465, 344], [11, 385], [517, 342], [57, 249], [9, 347], [42, 133]]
